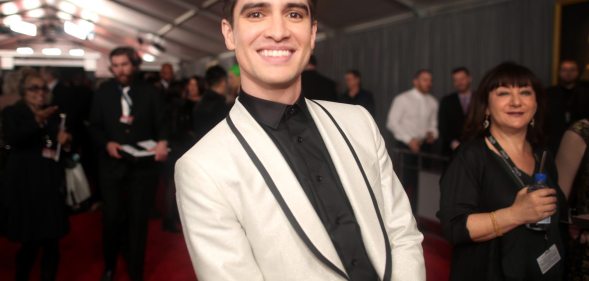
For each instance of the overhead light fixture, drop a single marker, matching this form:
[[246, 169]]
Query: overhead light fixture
[[51, 51], [77, 52], [64, 15], [9, 8], [31, 4], [24, 27], [25, 51], [67, 7], [50, 2], [148, 57], [89, 15], [36, 13], [80, 31], [9, 20], [153, 50]]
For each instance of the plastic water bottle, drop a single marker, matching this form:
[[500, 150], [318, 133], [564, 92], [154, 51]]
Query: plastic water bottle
[[540, 183]]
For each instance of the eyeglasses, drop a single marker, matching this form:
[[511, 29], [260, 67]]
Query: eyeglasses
[[37, 88]]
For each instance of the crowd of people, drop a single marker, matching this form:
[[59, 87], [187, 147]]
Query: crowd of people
[[496, 137]]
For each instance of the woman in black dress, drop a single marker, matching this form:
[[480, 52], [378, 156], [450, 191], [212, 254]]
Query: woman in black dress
[[34, 180], [484, 204]]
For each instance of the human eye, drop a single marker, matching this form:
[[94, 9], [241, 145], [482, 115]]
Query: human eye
[[295, 15], [254, 15], [527, 93]]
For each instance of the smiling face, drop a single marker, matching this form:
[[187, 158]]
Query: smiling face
[[512, 108], [272, 40]]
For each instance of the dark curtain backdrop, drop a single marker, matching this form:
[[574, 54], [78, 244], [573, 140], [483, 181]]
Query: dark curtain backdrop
[[478, 38]]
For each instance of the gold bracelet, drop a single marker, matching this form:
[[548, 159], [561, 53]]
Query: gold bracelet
[[494, 222]]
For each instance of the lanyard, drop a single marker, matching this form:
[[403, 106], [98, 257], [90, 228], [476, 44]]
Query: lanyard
[[515, 172]]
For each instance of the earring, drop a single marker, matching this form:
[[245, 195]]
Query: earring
[[486, 123], [533, 123]]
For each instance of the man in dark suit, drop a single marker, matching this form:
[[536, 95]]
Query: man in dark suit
[[212, 108], [453, 110], [316, 86], [355, 94], [126, 111], [568, 102]]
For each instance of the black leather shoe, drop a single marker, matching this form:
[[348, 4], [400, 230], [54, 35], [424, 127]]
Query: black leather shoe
[[108, 275]]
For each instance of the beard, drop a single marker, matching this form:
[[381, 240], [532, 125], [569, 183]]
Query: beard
[[124, 79]]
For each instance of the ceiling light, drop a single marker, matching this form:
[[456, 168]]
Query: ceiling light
[[148, 57], [64, 16], [50, 1], [31, 4], [77, 52], [9, 8], [25, 51], [153, 50], [9, 20], [67, 7], [80, 31], [24, 27], [89, 15], [51, 51], [36, 13]]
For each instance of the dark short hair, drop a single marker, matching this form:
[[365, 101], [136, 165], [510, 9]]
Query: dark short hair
[[214, 75], [460, 69], [229, 7], [126, 51], [421, 71], [507, 74], [354, 72]]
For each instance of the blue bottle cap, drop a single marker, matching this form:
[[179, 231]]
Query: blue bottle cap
[[540, 178]]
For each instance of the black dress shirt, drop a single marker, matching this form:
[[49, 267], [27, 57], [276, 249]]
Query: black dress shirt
[[292, 129]]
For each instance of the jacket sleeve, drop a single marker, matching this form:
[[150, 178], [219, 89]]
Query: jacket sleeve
[[217, 243], [403, 235]]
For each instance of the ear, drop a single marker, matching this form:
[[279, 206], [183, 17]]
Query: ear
[[227, 30], [313, 34]]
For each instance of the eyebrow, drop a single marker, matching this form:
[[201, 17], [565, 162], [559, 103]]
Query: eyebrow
[[250, 6]]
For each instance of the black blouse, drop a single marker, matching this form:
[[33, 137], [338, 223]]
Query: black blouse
[[476, 181]]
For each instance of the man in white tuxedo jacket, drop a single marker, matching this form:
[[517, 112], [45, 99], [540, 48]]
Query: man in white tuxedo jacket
[[286, 188]]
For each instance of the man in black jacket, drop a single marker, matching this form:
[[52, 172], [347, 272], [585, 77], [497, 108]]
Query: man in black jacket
[[212, 108], [126, 111], [453, 110], [316, 86]]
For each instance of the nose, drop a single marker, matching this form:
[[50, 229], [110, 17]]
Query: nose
[[278, 29], [515, 99]]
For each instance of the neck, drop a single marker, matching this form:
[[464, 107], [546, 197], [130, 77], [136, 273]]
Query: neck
[[419, 91], [511, 140], [353, 91], [285, 94]]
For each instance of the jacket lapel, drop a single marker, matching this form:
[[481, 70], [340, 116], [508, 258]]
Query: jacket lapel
[[355, 188], [294, 200]]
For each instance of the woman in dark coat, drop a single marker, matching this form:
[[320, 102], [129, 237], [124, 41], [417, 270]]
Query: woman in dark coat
[[485, 199], [35, 184]]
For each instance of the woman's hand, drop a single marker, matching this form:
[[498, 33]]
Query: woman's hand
[[531, 207]]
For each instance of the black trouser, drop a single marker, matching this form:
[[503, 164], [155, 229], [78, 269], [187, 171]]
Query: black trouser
[[27, 254], [127, 190]]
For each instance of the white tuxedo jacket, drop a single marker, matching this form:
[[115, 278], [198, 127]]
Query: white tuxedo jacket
[[242, 224]]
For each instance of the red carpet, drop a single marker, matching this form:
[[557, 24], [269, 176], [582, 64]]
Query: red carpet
[[81, 254], [167, 258]]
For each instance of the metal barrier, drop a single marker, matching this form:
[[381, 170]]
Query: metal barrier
[[427, 169]]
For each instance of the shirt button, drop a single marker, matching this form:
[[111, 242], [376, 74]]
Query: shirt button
[[354, 262], [300, 139], [338, 221], [319, 178], [292, 110]]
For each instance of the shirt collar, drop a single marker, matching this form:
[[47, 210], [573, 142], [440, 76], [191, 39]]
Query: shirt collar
[[267, 112]]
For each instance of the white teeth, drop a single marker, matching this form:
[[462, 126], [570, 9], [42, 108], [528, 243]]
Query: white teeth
[[275, 53]]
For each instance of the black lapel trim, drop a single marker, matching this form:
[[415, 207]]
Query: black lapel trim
[[281, 202], [388, 266]]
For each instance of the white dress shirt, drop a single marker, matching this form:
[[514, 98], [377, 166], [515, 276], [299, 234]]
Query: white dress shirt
[[413, 115]]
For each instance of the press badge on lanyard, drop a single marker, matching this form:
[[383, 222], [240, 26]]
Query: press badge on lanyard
[[548, 259], [126, 106]]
